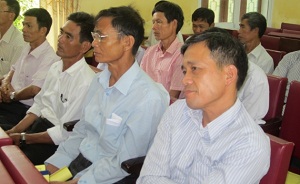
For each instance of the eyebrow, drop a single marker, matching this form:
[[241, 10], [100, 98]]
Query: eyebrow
[[67, 33]]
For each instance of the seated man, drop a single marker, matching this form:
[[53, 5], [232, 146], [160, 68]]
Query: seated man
[[11, 40], [202, 19], [122, 108], [254, 93], [252, 27], [209, 137], [61, 97], [27, 76], [289, 67], [162, 61]]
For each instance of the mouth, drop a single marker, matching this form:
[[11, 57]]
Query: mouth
[[188, 92]]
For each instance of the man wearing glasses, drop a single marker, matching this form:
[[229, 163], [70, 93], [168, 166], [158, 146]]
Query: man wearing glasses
[[11, 39], [61, 97]]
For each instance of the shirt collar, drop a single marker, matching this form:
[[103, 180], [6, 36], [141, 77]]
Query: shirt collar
[[256, 51], [38, 51], [124, 83], [8, 35], [218, 125], [173, 47], [73, 70]]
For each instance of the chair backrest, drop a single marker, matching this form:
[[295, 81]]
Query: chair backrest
[[291, 31], [270, 42], [276, 55], [277, 88], [281, 151], [271, 29], [290, 26], [290, 125], [289, 44]]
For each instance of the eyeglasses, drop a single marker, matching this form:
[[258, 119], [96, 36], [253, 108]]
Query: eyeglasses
[[98, 37]]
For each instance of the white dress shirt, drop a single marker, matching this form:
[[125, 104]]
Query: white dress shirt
[[254, 94], [261, 57], [32, 68], [62, 95], [11, 46]]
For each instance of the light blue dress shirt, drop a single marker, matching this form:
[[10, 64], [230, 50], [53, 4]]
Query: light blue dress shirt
[[231, 149], [118, 123]]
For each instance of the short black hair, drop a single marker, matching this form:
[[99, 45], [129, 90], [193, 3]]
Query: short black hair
[[43, 17], [126, 20], [256, 20], [204, 14], [225, 50], [171, 11], [86, 23], [13, 6]]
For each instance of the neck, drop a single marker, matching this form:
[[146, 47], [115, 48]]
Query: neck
[[68, 62], [34, 45], [166, 43], [3, 29], [218, 108], [118, 68], [251, 45]]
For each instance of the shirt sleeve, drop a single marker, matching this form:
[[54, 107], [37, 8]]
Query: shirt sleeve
[[156, 167], [177, 76], [284, 66], [39, 77]]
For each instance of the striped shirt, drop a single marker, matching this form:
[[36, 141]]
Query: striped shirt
[[164, 68], [289, 67], [230, 149]]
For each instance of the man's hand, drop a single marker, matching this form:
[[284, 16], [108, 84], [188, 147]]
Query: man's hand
[[16, 138]]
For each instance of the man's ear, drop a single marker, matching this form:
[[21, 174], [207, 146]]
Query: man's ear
[[85, 46], [231, 74], [128, 42], [43, 30]]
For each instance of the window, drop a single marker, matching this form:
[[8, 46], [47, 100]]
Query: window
[[25, 5], [226, 10]]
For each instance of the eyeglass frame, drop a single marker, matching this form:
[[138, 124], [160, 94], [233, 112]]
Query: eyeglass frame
[[99, 37]]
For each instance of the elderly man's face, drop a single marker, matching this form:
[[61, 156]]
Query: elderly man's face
[[69, 46], [109, 47], [245, 33], [163, 30], [204, 83]]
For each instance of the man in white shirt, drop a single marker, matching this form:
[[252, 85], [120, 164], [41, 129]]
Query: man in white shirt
[[252, 27], [11, 40], [27, 76], [61, 97]]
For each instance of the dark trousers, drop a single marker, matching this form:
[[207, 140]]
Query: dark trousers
[[11, 114], [38, 153]]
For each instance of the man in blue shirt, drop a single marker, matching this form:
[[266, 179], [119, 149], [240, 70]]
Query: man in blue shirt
[[122, 109], [209, 137]]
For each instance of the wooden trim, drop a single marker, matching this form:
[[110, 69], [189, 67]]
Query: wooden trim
[[204, 3]]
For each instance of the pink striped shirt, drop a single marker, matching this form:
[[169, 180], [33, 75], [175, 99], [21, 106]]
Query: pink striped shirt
[[164, 68]]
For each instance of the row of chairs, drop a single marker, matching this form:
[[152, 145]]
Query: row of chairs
[[285, 126]]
